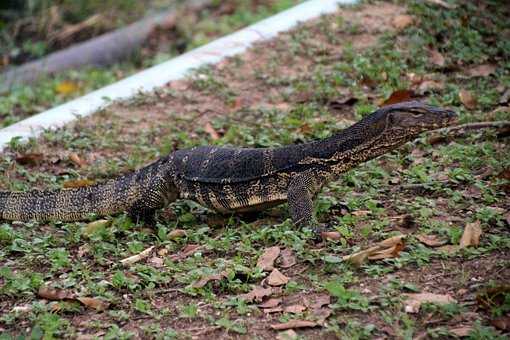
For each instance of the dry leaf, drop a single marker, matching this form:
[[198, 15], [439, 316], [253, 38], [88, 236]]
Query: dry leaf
[[287, 335], [185, 252], [295, 309], [388, 248], [94, 226], [66, 87], [55, 294], [483, 70], [430, 240], [414, 300], [321, 314], [94, 303], [398, 97], [271, 303], [78, 183], [461, 331], [156, 261], [359, 213], [273, 310], [288, 259], [205, 280], [331, 235], [467, 99], [402, 21], [257, 294], [30, 159], [73, 157], [294, 324], [471, 235], [177, 233], [266, 260], [442, 3], [276, 278], [505, 97], [211, 131], [436, 58], [430, 86], [502, 323], [318, 301]]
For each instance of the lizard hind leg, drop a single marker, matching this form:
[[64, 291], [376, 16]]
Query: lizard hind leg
[[300, 193]]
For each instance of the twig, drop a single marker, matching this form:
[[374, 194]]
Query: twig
[[135, 258], [441, 135]]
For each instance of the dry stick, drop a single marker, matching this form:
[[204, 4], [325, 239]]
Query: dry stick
[[102, 50], [135, 258], [441, 135]]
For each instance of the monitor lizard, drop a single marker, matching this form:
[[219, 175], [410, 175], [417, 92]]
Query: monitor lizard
[[230, 179]]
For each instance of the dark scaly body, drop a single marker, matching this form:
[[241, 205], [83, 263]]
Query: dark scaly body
[[235, 179]]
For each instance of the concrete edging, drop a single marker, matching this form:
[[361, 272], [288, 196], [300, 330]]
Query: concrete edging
[[173, 69]]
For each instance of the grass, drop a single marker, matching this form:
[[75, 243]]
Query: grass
[[195, 29], [289, 90]]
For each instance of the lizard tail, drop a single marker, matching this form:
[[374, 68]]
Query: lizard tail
[[70, 204], [142, 188]]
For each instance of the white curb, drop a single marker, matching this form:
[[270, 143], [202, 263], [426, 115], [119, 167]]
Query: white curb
[[173, 69]]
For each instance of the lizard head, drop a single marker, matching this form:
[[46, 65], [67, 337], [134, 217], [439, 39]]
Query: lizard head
[[412, 118]]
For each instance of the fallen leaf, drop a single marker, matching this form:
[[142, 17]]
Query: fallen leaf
[[257, 294], [442, 4], [331, 235], [78, 183], [156, 261], [177, 233], [414, 300], [321, 314], [430, 86], [287, 335], [211, 131], [273, 310], [66, 87], [30, 158], [402, 21], [294, 324], [483, 70], [276, 278], [316, 302], [436, 58], [205, 280], [398, 97], [461, 331], [94, 303], [294, 309], [471, 235], [430, 240], [271, 303], [507, 218], [185, 252], [93, 227], [502, 323], [387, 253], [388, 248], [360, 213], [467, 99], [505, 97], [266, 260], [73, 157], [288, 259], [55, 294]]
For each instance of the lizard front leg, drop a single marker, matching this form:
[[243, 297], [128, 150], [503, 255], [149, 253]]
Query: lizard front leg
[[300, 194]]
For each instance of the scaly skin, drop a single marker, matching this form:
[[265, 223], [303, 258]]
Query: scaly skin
[[235, 179]]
